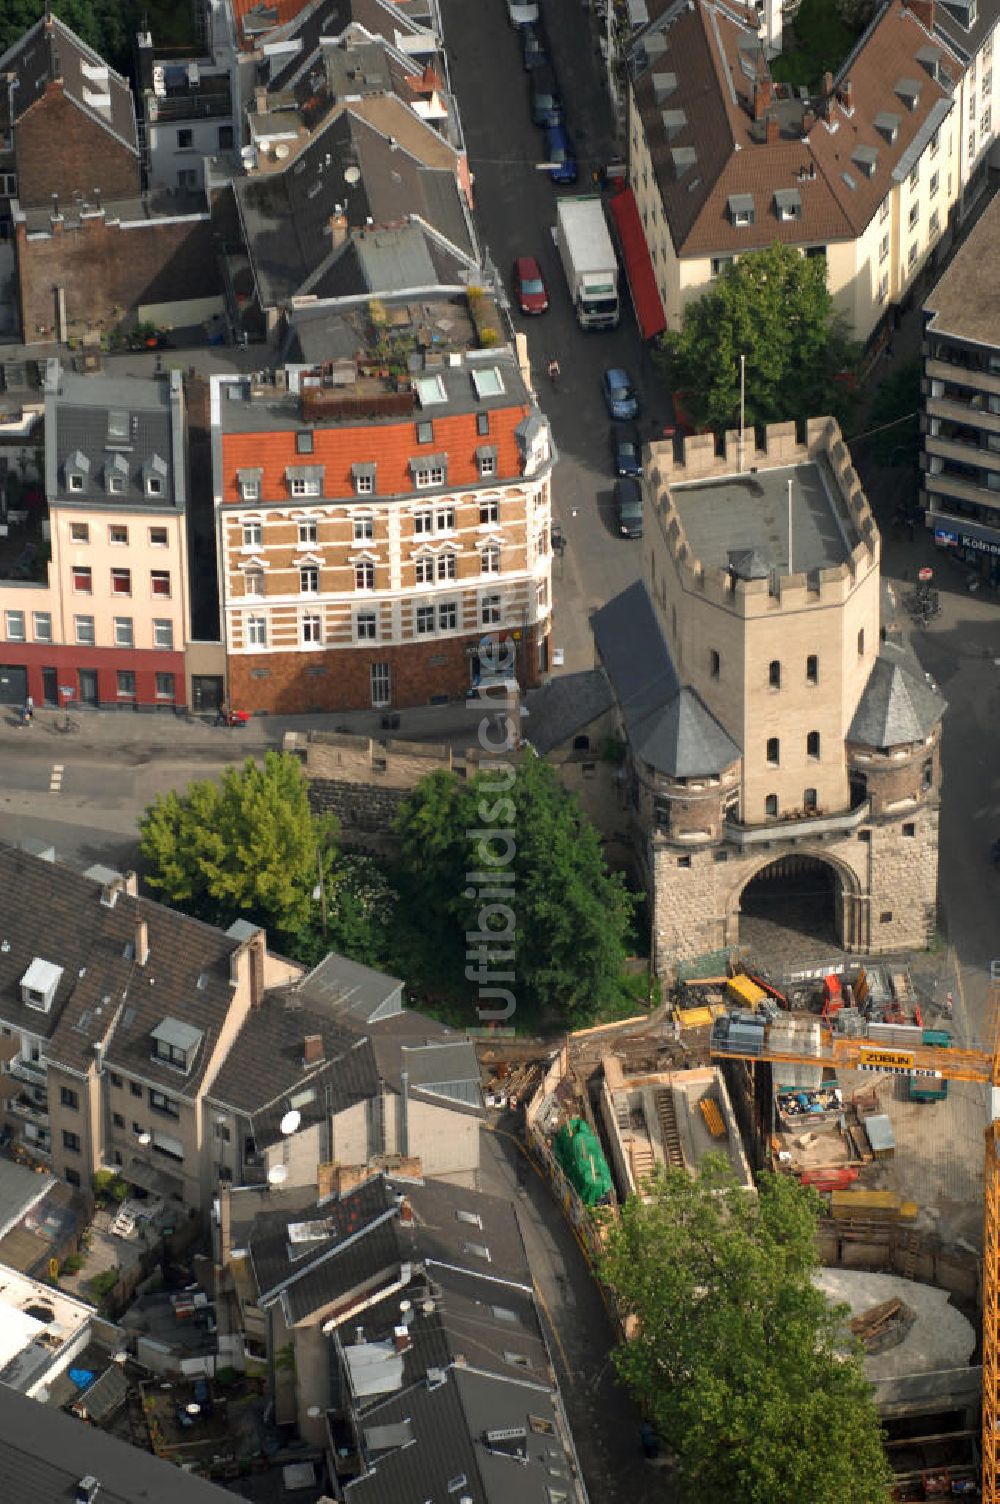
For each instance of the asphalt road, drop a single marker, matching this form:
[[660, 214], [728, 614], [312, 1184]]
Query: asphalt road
[[515, 212]]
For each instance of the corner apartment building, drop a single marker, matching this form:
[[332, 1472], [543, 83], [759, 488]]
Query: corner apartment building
[[724, 160], [97, 609], [381, 512], [960, 422], [772, 734]]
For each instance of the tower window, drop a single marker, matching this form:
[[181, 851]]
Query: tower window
[[774, 674]]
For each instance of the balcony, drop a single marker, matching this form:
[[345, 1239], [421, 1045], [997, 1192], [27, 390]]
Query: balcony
[[34, 1072], [962, 490], [980, 381], [963, 412], [193, 106], [961, 451], [30, 1111], [805, 829]]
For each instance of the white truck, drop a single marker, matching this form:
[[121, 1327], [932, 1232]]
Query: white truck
[[589, 260]]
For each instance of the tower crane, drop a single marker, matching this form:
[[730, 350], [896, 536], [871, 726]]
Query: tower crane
[[958, 1064]]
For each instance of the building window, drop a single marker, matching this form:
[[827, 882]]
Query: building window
[[774, 674], [41, 626], [304, 441], [883, 213], [118, 1120], [489, 511], [771, 806], [253, 582], [253, 535], [71, 1141], [425, 620], [14, 627], [366, 626], [915, 175], [163, 635], [312, 629], [489, 559], [720, 263], [812, 744], [159, 582], [934, 184], [809, 801], [934, 223], [84, 631], [972, 105], [117, 533], [136, 1091], [249, 491], [428, 475], [914, 216], [158, 537], [714, 663], [489, 610], [165, 687], [985, 123], [116, 485], [160, 1103], [73, 1177], [305, 485], [883, 288], [423, 521], [257, 631], [364, 483], [773, 749], [812, 669], [444, 520], [425, 432], [225, 137], [121, 582], [380, 684], [447, 566], [482, 424], [309, 580], [883, 250], [972, 151], [861, 643], [447, 616], [364, 575], [69, 1098], [935, 143], [423, 568], [83, 579], [909, 829], [126, 684], [364, 529], [124, 635], [116, 1080], [307, 530], [222, 1132], [79, 532], [487, 464], [185, 140]]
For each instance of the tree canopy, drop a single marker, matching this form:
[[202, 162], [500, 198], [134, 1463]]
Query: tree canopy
[[774, 308], [106, 25], [247, 846], [553, 931], [739, 1361]]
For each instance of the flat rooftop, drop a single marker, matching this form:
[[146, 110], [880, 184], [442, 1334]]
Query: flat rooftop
[[966, 301], [749, 514]]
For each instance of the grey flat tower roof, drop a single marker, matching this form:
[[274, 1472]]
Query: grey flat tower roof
[[737, 512]]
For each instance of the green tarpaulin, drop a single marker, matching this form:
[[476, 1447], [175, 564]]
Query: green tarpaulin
[[579, 1154]]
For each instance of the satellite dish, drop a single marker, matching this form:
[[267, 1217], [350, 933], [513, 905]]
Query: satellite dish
[[314, 1412], [277, 1175], [145, 1138], [291, 1121], [352, 175], [280, 152]]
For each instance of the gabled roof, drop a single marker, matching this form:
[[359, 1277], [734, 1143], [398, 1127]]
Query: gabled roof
[[50, 50], [566, 706], [358, 993], [724, 186], [126, 427], [898, 706], [668, 724]]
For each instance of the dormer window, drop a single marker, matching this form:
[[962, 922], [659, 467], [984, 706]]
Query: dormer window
[[305, 480], [741, 210], [154, 476], [887, 125], [248, 482], [865, 158], [908, 90], [363, 475], [39, 983], [77, 469], [176, 1044], [788, 204], [486, 457], [116, 475]]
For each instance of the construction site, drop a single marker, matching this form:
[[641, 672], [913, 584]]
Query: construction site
[[854, 1081]]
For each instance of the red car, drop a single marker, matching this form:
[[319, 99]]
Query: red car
[[529, 286]]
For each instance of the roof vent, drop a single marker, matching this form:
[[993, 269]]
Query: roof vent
[[312, 1049], [87, 1490], [436, 1377]]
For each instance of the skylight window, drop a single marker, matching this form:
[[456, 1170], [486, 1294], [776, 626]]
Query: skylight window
[[478, 1250], [118, 427], [430, 390], [471, 1217], [310, 1232], [488, 383]]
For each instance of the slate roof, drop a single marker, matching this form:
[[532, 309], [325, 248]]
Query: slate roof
[[438, 1234], [440, 1063], [965, 302], [565, 707], [44, 1453], [697, 62], [78, 415], [20, 1190], [898, 705], [668, 724], [359, 993], [951, 24], [50, 49]]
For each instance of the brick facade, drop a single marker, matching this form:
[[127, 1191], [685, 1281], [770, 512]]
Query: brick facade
[[102, 266], [293, 683], [60, 150]]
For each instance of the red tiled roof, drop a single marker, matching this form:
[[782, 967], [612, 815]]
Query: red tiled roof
[[390, 446], [711, 56]]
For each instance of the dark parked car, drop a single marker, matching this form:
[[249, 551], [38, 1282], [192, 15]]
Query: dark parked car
[[529, 286], [626, 449], [534, 51], [546, 101], [559, 155], [203, 1396], [628, 506], [619, 394]]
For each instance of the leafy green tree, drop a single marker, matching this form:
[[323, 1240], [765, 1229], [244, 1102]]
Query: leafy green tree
[[895, 414], [774, 308], [554, 923], [361, 908], [738, 1359], [245, 847]]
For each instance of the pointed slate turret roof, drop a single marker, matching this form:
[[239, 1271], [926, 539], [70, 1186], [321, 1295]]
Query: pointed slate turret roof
[[668, 724], [898, 706], [748, 564]]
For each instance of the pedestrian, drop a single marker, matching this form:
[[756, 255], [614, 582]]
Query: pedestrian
[[949, 1006], [554, 371], [29, 709]]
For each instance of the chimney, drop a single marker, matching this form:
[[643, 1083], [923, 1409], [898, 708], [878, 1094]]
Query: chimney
[[141, 942], [401, 1338], [339, 230], [403, 1136], [312, 1049], [827, 84], [924, 12], [808, 121], [847, 94], [260, 99], [772, 129], [763, 97], [405, 1213]]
